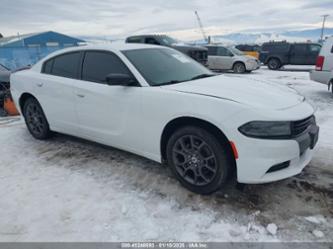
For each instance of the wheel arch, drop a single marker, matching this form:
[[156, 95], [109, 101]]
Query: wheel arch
[[274, 57], [23, 98], [238, 61], [179, 122]]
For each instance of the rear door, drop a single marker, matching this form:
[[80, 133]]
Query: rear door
[[55, 91], [299, 54], [212, 57]]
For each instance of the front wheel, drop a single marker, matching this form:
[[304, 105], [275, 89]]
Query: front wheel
[[239, 67], [35, 119], [274, 64], [197, 159]]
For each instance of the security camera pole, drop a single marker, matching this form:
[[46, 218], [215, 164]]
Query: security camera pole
[[323, 28]]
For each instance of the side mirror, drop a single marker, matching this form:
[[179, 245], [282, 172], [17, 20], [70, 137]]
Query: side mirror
[[118, 79]]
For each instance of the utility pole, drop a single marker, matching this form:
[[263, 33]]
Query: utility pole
[[201, 27], [323, 28]]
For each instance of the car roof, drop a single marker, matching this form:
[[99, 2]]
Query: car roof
[[108, 47], [111, 47]]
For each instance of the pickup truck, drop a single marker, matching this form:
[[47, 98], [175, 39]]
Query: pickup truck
[[199, 54], [277, 54]]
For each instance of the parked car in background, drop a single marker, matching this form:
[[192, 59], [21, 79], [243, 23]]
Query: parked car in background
[[4, 74], [324, 66], [277, 54], [4, 86], [159, 103], [197, 53], [222, 58], [252, 50]]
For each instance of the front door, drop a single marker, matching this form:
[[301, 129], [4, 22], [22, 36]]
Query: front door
[[106, 113]]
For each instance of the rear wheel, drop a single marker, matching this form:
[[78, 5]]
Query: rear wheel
[[239, 67], [274, 64], [197, 159], [35, 119]]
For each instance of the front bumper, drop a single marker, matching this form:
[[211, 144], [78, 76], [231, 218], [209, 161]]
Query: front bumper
[[252, 65], [260, 160]]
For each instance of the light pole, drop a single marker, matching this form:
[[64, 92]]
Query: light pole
[[323, 28]]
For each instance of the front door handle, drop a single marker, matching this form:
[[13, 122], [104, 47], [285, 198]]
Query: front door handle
[[40, 84], [80, 95]]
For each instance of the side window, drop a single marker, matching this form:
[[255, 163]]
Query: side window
[[300, 49], [212, 51], [314, 48], [66, 65], [223, 51], [134, 40], [151, 40], [98, 64], [47, 67], [332, 49]]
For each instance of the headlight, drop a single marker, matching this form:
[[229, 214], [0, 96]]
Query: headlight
[[266, 129]]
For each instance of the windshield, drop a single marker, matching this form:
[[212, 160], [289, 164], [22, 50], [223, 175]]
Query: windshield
[[163, 66], [167, 40], [235, 51]]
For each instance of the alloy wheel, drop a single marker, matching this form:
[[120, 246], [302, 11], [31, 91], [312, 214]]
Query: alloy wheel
[[195, 160], [35, 119]]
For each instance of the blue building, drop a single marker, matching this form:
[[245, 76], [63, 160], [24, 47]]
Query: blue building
[[22, 50]]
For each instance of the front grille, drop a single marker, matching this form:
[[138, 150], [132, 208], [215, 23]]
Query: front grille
[[299, 127]]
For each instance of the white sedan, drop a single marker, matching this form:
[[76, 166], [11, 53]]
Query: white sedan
[[158, 103]]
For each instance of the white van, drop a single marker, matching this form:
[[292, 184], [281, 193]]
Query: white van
[[324, 66]]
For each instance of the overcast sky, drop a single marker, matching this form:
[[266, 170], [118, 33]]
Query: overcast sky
[[118, 18]]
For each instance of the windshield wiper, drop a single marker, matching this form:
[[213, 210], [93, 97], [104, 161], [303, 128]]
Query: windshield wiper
[[201, 76], [169, 82]]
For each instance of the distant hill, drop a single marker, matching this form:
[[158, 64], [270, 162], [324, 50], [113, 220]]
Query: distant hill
[[257, 37], [240, 37]]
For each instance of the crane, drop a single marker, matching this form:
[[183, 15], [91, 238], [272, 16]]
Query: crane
[[201, 27]]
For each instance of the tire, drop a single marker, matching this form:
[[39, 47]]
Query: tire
[[35, 119], [239, 67], [274, 64], [198, 160]]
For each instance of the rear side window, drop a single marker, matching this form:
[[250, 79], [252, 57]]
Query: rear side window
[[151, 40], [133, 40], [300, 48], [212, 51], [98, 64], [47, 68], [275, 48], [66, 65]]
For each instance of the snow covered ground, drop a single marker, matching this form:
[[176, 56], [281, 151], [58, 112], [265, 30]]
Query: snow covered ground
[[66, 189]]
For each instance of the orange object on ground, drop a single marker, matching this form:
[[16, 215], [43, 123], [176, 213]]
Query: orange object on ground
[[10, 107]]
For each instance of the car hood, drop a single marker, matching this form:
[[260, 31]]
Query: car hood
[[243, 90]]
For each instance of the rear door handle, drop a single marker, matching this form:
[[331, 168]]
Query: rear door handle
[[40, 84], [80, 95]]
